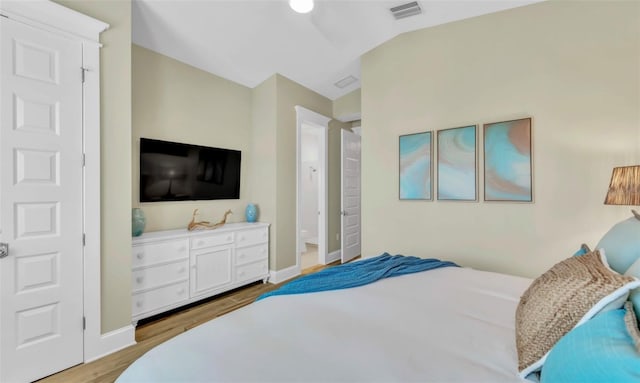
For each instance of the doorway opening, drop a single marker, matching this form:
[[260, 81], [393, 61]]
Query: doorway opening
[[310, 193], [311, 201]]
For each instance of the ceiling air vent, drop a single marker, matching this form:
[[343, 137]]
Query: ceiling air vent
[[406, 10], [346, 81]]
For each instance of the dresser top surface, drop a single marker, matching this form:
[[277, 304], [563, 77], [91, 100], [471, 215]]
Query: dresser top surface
[[184, 233]]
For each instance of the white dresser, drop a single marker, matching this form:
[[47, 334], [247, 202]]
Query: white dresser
[[175, 267]]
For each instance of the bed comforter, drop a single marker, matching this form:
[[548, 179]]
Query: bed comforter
[[445, 325]]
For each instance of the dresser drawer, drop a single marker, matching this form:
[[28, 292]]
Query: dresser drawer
[[252, 254], [212, 240], [149, 254], [252, 237], [154, 276], [254, 270], [160, 297]]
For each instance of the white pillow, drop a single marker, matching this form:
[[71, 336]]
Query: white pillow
[[622, 242]]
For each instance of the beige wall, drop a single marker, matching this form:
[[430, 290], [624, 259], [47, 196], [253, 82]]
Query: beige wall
[[348, 107], [273, 166], [173, 101], [572, 66], [115, 104], [290, 94], [262, 166]]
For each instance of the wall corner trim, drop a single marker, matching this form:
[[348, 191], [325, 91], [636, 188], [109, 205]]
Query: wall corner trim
[[111, 342], [284, 274]]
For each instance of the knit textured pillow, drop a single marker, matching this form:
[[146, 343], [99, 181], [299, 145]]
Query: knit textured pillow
[[565, 296]]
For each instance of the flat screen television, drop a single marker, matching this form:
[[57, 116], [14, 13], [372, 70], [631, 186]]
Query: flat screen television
[[172, 171]]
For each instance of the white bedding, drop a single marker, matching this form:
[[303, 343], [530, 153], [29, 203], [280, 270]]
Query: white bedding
[[445, 325]]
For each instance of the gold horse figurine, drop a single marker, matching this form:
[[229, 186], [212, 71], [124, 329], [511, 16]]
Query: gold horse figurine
[[206, 225]]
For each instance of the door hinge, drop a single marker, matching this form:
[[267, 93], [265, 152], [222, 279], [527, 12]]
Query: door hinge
[[84, 239], [84, 159], [83, 70], [84, 323]]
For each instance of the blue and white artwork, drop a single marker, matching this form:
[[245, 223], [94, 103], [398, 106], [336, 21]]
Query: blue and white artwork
[[507, 161], [457, 165], [415, 166]]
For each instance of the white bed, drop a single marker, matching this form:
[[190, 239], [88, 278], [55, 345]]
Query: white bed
[[445, 325]]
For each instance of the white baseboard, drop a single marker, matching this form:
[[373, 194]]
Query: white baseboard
[[294, 271], [113, 341], [284, 274], [333, 256]]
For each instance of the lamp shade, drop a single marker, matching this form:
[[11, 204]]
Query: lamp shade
[[624, 188]]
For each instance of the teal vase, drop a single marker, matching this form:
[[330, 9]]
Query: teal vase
[[251, 213], [138, 221]]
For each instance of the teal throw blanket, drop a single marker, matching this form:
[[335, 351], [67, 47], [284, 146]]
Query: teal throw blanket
[[358, 273]]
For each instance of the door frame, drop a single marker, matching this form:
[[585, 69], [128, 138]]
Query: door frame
[[317, 121], [55, 18]]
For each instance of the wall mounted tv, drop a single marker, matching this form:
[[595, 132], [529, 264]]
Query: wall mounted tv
[[171, 171]]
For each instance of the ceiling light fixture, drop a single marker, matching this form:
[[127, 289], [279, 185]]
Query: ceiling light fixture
[[301, 6]]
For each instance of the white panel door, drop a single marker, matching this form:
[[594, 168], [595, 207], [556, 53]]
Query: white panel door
[[350, 201], [41, 279]]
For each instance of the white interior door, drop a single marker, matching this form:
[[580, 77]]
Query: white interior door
[[350, 201], [41, 278]]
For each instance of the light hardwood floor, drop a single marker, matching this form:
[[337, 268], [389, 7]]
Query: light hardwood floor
[[155, 331], [310, 257]]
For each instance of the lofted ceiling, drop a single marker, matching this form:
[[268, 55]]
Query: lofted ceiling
[[247, 41]]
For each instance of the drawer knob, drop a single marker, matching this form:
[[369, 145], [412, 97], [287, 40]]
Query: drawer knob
[[139, 279], [140, 255], [138, 304]]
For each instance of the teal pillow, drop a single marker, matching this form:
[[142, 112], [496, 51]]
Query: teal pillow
[[584, 249], [602, 350], [622, 244]]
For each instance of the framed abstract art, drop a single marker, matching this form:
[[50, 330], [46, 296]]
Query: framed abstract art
[[457, 164], [416, 154], [508, 171]]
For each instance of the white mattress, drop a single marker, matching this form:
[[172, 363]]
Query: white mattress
[[445, 325]]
